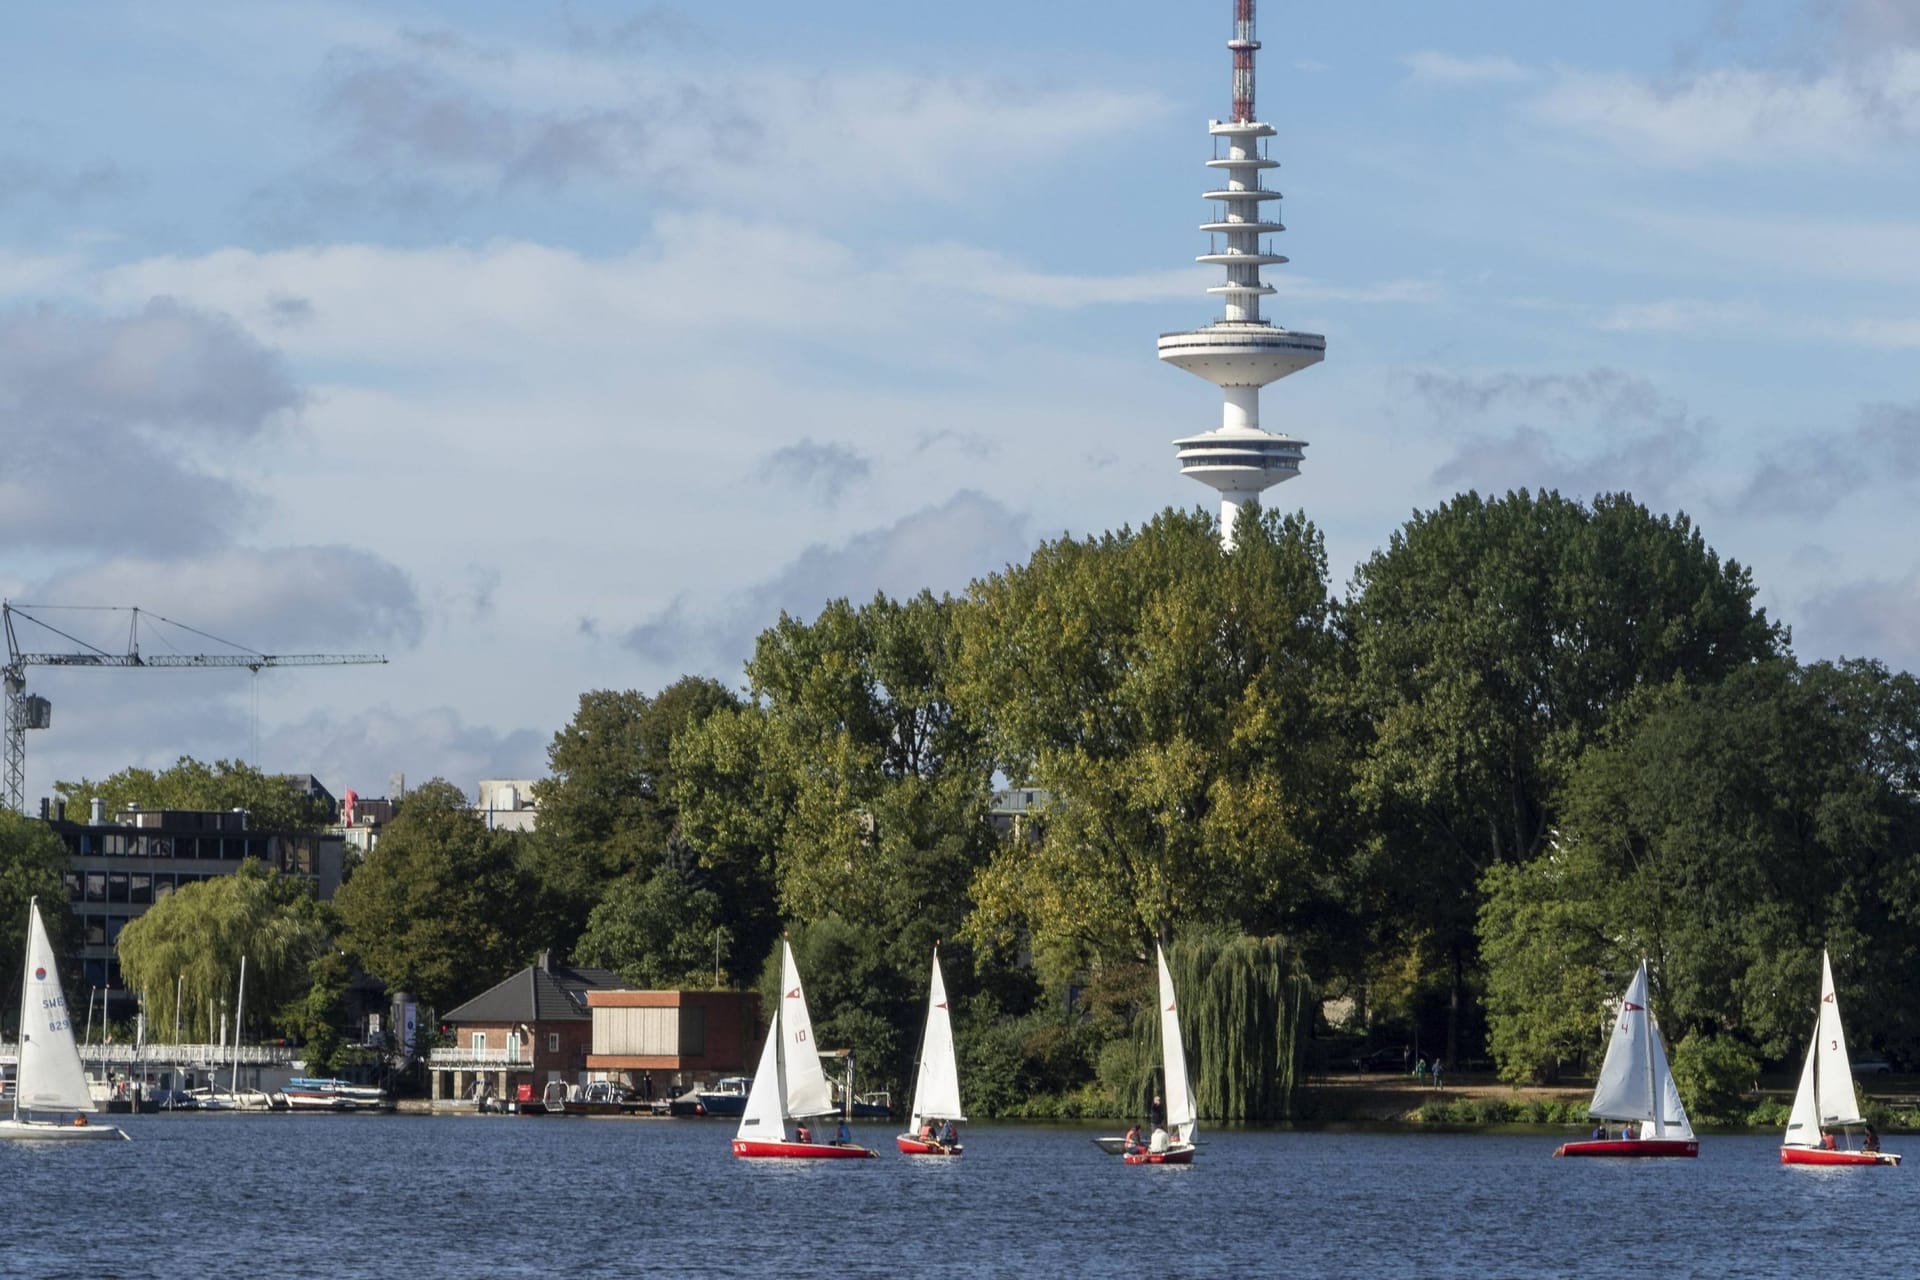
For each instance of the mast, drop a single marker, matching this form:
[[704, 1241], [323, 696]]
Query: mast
[[239, 1007], [26, 961], [1653, 1081]]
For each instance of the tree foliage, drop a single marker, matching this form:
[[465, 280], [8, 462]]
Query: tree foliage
[[439, 906], [272, 801], [32, 862], [1166, 694], [1492, 642], [191, 942], [607, 812]]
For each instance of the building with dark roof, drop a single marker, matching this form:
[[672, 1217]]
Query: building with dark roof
[[513, 1038]]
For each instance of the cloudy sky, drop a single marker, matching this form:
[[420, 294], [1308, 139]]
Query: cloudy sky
[[546, 347]]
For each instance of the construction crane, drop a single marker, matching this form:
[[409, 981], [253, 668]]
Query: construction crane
[[27, 711]]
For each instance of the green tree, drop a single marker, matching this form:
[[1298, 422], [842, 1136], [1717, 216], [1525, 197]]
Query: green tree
[[607, 810], [272, 801], [1553, 960], [1740, 828], [1492, 642], [32, 864], [190, 943], [661, 932], [1167, 695], [850, 780], [438, 908]]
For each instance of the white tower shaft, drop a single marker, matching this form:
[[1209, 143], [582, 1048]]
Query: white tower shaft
[[1241, 352]]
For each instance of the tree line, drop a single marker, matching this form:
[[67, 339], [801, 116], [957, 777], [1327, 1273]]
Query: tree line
[[1534, 740]]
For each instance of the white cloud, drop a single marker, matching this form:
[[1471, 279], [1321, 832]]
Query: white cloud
[[1744, 115], [1432, 67]]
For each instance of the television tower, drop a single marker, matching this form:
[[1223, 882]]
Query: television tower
[[1240, 352]]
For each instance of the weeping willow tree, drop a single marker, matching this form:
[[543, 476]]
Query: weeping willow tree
[[1242, 1010], [190, 942]]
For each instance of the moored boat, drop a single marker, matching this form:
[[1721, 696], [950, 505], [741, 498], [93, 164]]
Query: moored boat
[[728, 1097], [1636, 1088], [789, 1085], [1825, 1098], [936, 1111], [1175, 1143]]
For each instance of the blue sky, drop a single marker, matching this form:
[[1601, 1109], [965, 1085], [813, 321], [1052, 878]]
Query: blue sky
[[550, 347]]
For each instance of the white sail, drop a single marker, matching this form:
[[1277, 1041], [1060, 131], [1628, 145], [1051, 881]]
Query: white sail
[[936, 1091], [807, 1092], [1803, 1123], [1626, 1088], [49, 1077], [1834, 1076], [763, 1119], [1669, 1118], [1180, 1108]]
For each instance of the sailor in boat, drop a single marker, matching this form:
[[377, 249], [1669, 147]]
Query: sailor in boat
[[926, 1131], [1870, 1140], [841, 1135], [1157, 1144], [949, 1134]]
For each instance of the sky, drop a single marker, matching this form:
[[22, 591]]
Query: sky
[[552, 347]]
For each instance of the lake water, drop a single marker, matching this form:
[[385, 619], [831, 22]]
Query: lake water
[[339, 1197]]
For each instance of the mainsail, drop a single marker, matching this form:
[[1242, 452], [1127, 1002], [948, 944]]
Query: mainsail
[[936, 1090], [1626, 1088], [1835, 1075], [1180, 1108], [49, 1077]]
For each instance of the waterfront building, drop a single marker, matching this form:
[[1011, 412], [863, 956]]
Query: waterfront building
[[517, 1035], [672, 1038]]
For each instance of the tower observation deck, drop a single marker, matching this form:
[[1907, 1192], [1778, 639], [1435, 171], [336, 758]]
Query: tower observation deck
[[1241, 352]]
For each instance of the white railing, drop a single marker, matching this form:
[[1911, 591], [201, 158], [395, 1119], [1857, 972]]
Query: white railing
[[464, 1059], [124, 1055]]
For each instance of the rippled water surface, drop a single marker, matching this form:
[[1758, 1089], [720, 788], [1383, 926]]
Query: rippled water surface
[[339, 1197]]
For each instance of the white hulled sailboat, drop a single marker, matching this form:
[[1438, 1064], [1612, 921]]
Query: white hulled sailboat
[[1636, 1087], [1825, 1097], [936, 1090], [789, 1086], [50, 1079]]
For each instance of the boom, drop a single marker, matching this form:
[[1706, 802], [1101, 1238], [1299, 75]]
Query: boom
[[31, 712]]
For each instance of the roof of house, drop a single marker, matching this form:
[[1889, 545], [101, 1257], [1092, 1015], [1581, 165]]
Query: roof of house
[[544, 992]]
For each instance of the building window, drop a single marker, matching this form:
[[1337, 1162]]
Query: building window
[[553, 1042], [479, 1043]]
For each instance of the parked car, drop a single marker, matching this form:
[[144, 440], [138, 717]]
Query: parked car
[[1872, 1067], [1382, 1060]]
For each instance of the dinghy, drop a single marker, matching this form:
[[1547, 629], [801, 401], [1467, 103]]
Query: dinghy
[[1635, 1087], [789, 1086], [936, 1090], [49, 1079], [1825, 1097]]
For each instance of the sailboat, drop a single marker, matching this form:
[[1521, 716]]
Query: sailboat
[[1825, 1096], [50, 1077], [1175, 1144], [1636, 1086], [789, 1085], [936, 1091]]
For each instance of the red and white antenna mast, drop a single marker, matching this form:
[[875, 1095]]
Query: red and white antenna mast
[[1243, 45]]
